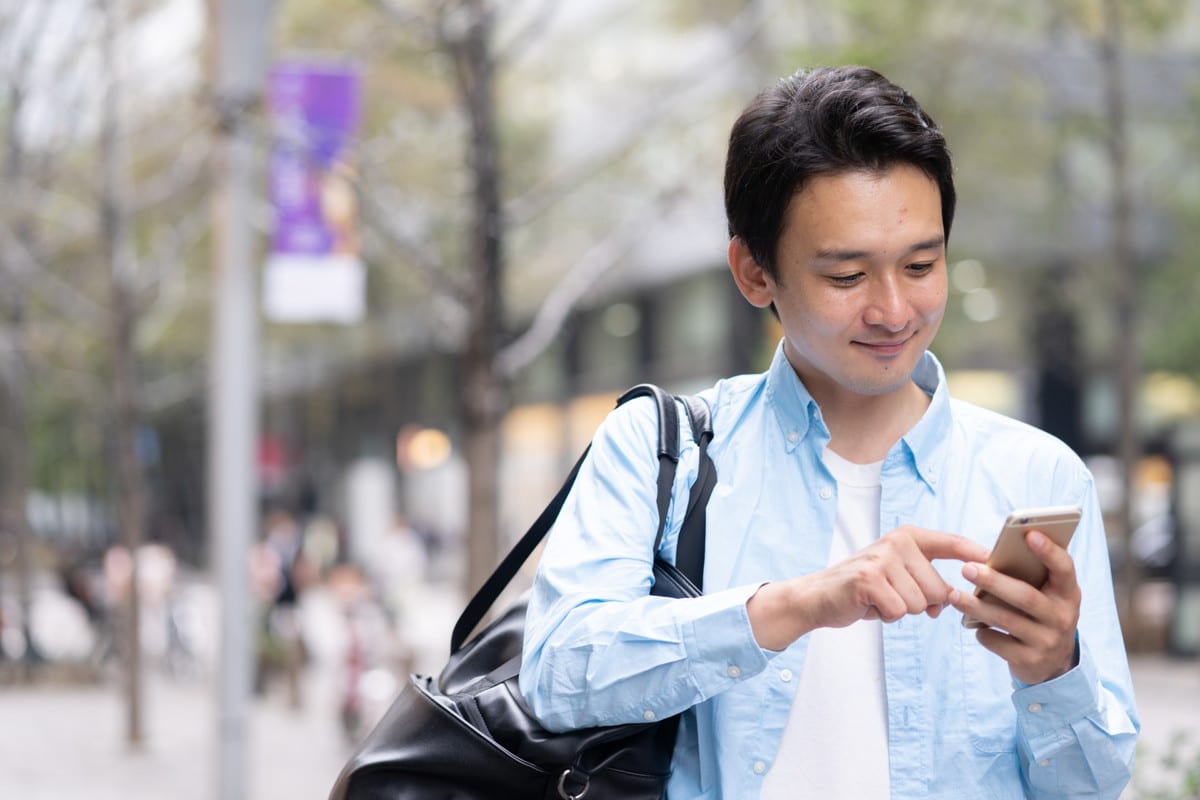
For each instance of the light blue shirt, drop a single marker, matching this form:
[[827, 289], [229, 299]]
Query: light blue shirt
[[600, 650]]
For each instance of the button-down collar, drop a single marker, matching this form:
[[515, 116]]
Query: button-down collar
[[925, 444], [795, 409]]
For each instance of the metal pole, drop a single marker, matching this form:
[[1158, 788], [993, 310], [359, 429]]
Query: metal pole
[[240, 56]]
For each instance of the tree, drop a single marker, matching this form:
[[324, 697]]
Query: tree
[[34, 158], [495, 349], [17, 262], [68, 207], [123, 315], [453, 73]]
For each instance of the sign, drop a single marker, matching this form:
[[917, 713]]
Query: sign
[[314, 272]]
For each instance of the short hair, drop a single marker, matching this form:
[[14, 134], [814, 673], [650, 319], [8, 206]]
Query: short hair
[[821, 122]]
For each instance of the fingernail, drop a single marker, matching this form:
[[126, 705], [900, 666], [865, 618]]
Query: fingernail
[[1036, 540], [970, 571]]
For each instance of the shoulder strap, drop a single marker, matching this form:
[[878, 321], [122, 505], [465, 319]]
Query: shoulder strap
[[689, 552], [667, 449]]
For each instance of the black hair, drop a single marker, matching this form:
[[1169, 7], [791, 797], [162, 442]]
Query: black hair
[[821, 122]]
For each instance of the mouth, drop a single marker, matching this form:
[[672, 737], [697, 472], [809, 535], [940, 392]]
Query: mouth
[[885, 349]]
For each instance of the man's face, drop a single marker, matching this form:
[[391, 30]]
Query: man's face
[[862, 280]]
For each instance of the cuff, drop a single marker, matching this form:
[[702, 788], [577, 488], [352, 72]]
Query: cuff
[[1044, 708], [724, 641]]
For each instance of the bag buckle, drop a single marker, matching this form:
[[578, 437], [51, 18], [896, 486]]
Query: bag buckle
[[562, 783]]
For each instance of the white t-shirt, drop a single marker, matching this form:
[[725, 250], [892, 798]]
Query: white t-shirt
[[835, 743]]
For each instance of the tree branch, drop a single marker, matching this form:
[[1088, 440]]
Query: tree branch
[[527, 34], [71, 382], [25, 268], [75, 219], [586, 272], [18, 68], [161, 393], [426, 31], [742, 30], [189, 166], [430, 267], [165, 267]]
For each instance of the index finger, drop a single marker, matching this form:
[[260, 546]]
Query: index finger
[[939, 544]]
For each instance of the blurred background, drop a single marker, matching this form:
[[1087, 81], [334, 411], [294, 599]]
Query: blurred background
[[307, 307]]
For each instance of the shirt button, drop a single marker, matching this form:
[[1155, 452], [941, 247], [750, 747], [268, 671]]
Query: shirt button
[[647, 715], [733, 671], [1045, 762], [1035, 707], [785, 675], [759, 768], [825, 493], [793, 437]]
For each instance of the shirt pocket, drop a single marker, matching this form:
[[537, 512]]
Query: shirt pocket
[[987, 691]]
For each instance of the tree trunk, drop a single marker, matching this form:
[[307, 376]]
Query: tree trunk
[[483, 388], [14, 386], [132, 501], [14, 427], [131, 490], [1127, 355], [1052, 332]]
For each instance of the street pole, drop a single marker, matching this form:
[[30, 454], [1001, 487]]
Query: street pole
[[241, 38]]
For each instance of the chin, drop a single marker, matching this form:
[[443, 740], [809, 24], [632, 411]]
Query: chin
[[877, 390], [878, 385]]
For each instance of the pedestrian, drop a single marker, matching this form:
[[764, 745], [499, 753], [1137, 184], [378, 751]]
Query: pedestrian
[[855, 507], [281, 573]]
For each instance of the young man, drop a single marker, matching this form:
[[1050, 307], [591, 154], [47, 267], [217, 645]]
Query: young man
[[856, 503]]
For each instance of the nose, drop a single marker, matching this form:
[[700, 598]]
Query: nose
[[886, 306]]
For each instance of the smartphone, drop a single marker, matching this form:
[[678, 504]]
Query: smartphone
[[1012, 555]]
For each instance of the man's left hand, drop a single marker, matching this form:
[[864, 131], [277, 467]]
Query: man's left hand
[[1035, 634]]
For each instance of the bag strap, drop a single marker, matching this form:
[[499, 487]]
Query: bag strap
[[689, 552], [667, 451], [668, 447]]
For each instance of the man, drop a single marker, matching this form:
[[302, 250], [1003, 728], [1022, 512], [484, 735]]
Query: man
[[856, 505]]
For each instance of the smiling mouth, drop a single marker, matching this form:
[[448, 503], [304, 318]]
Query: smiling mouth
[[884, 348]]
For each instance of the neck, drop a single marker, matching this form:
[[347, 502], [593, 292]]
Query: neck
[[864, 432], [863, 428]]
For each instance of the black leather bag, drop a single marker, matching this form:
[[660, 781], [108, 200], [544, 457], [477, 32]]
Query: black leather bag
[[468, 735]]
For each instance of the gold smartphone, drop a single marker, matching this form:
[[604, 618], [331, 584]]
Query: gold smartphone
[[1012, 555]]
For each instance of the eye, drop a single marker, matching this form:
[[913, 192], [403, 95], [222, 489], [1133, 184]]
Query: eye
[[845, 280], [921, 269]]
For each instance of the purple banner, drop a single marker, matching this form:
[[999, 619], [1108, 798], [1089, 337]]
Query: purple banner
[[315, 110]]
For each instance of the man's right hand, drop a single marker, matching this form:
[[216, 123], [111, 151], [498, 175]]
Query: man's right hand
[[886, 580]]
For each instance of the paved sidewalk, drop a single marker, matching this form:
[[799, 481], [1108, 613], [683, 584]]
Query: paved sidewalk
[[59, 743], [1168, 697]]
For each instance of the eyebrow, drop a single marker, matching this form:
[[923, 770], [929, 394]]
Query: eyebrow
[[830, 254]]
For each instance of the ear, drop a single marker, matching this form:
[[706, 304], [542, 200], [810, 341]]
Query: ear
[[752, 280]]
